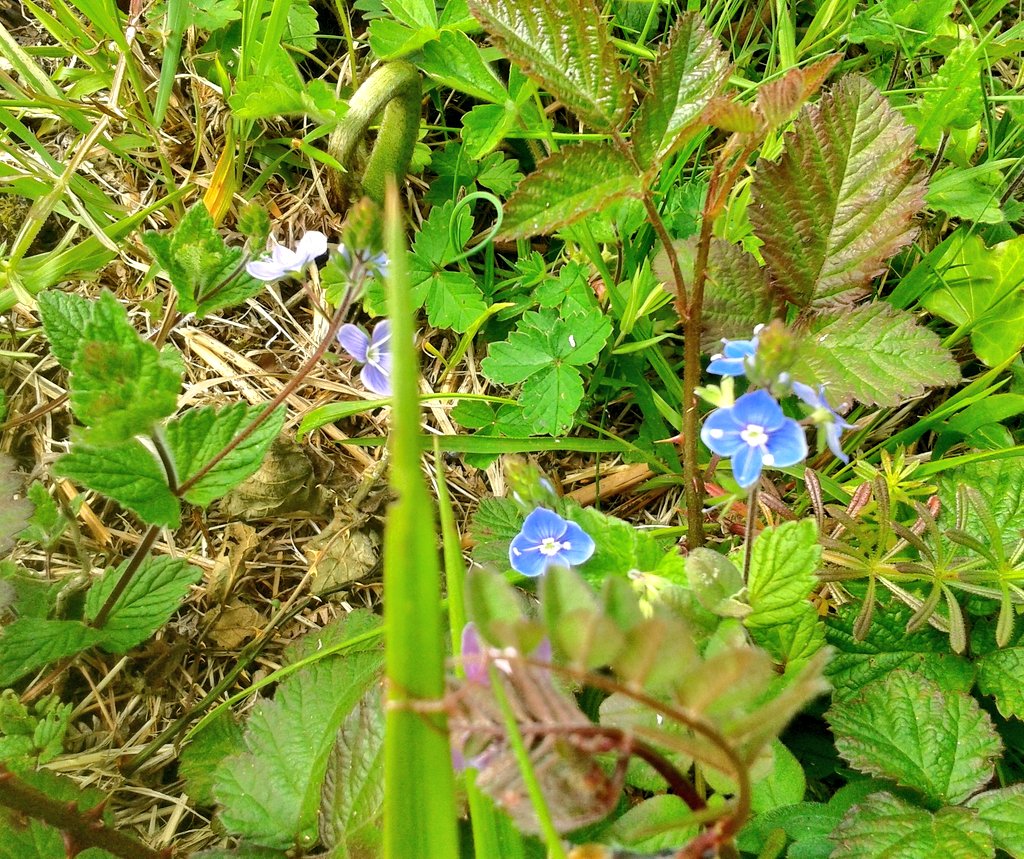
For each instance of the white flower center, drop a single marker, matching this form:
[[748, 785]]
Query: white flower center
[[754, 435], [550, 546]]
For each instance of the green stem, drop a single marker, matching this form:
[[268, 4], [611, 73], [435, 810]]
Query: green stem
[[395, 90]]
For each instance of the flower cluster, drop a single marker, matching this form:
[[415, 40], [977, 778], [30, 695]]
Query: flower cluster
[[753, 432]]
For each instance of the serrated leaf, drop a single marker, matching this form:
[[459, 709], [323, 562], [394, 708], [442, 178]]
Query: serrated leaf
[[495, 523], [689, 70], [778, 99], [737, 295], [129, 474], [874, 354], [952, 97], [390, 40], [15, 513], [550, 398], [841, 200], [906, 25], [453, 300], [200, 265], [1001, 485], [199, 434], [1003, 811], [883, 825], [574, 182], [565, 46], [908, 729], [455, 61], [153, 594], [1001, 675], [47, 522], [781, 577], [352, 801], [982, 291], [265, 97], [220, 737], [270, 793], [64, 316], [32, 642], [120, 384], [887, 647]]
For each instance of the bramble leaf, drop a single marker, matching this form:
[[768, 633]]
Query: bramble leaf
[[151, 597], [688, 72], [199, 434], [200, 265], [220, 737], [1000, 483], [883, 825], [908, 729], [1001, 675], [840, 201], [32, 642], [15, 513], [64, 316], [1003, 810], [129, 474], [120, 384], [574, 182], [874, 354], [566, 47], [982, 290]]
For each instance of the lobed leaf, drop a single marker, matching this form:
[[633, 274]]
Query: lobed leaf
[[840, 201], [574, 182], [910, 730], [455, 61], [565, 46], [688, 72], [874, 354]]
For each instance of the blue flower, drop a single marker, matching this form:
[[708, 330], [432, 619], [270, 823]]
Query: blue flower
[[548, 540], [824, 415], [373, 352], [732, 360], [283, 260], [754, 432]]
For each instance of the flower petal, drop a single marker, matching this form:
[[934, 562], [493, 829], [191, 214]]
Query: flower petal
[[542, 524], [525, 556], [266, 270], [727, 367], [381, 334], [354, 341], [312, 245], [721, 432], [832, 433], [787, 444], [581, 545], [746, 465], [758, 407], [474, 662], [374, 379], [739, 348]]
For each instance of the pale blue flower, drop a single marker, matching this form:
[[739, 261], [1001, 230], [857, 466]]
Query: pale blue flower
[[734, 357], [825, 416], [753, 433], [283, 260], [373, 352], [547, 540]]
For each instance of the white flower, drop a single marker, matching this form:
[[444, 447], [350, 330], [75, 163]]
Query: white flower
[[283, 260]]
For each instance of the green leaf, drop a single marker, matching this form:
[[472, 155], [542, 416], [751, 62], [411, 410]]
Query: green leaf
[[1001, 485], [887, 647], [270, 793], [966, 195], [550, 399], [565, 46], [1001, 675], [64, 316], [572, 183], [352, 801], [151, 597], [32, 642], [199, 434], [784, 785], [903, 24], [200, 265], [717, 583], [883, 825], [1003, 811], [120, 384], [454, 300], [952, 96], [666, 815], [737, 295], [15, 513], [781, 577], [390, 40], [874, 354], [455, 61], [47, 523], [689, 70], [129, 474], [841, 200], [908, 729], [263, 98], [982, 292], [220, 737]]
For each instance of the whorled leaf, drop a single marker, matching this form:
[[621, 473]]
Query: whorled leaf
[[566, 47], [874, 354], [574, 182], [841, 200], [687, 73]]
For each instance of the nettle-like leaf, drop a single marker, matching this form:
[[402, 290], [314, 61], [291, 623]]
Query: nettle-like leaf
[[205, 272], [574, 182], [121, 385], [15, 513], [1001, 675], [908, 729], [151, 597], [874, 354], [689, 70], [782, 569], [270, 794], [544, 352], [32, 642], [1003, 811], [565, 46], [128, 473], [952, 97], [199, 434], [841, 199], [64, 316], [982, 290], [884, 825]]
